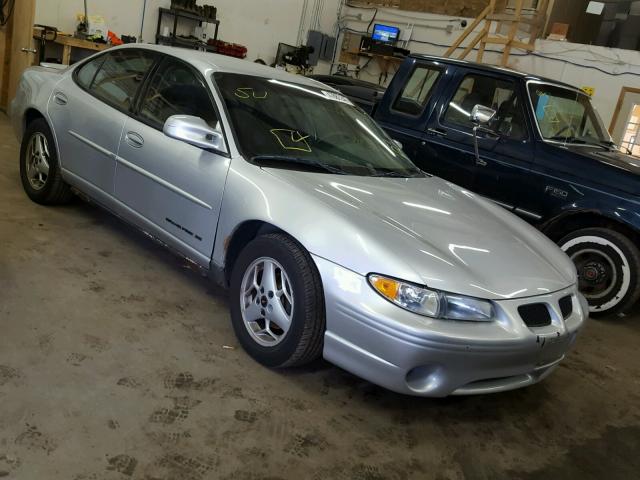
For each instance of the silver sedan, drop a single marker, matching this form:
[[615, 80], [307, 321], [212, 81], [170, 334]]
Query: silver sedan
[[330, 240]]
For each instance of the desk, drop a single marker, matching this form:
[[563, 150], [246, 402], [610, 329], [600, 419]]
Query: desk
[[384, 61], [69, 43]]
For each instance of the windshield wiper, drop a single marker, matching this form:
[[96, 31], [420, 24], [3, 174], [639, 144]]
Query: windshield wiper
[[396, 174], [580, 141], [275, 160], [569, 139], [609, 144]]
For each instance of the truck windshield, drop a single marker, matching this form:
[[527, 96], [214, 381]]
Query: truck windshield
[[567, 115], [292, 125]]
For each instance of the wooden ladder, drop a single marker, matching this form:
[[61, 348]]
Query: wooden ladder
[[496, 11]]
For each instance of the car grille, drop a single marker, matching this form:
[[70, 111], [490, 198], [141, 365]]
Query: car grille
[[535, 314], [566, 306]]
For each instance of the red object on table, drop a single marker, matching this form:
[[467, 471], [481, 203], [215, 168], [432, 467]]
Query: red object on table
[[229, 49], [114, 39]]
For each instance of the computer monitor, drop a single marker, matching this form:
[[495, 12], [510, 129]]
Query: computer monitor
[[385, 33], [284, 50]]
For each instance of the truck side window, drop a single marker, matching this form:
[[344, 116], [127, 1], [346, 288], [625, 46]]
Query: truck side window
[[417, 91], [490, 92]]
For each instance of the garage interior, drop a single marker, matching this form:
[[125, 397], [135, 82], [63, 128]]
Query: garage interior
[[117, 357]]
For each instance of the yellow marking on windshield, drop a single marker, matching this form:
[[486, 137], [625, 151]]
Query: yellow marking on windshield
[[291, 139], [249, 92]]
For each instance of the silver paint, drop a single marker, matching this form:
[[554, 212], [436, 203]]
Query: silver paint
[[422, 230]]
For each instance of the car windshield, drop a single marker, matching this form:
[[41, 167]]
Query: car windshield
[[290, 125], [566, 115]]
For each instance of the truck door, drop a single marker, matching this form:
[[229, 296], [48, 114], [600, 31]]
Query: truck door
[[505, 154], [407, 104]]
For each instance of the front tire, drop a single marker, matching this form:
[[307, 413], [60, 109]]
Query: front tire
[[608, 265], [39, 167], [277, 302]]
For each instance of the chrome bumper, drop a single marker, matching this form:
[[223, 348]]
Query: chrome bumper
[[411, 354]]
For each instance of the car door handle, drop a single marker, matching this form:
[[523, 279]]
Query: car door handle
[[134, 139], [481, 163], [437, 131], [60, 98]]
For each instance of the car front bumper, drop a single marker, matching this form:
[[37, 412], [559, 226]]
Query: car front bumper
[[416, 355]]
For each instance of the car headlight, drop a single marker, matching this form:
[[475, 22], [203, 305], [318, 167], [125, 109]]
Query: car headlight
[[432, 303]]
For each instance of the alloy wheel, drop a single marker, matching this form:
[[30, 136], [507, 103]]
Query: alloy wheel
[[37, 161], [266, 300]]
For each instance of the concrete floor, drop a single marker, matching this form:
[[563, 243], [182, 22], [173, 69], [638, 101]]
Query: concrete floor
[[117, 361]]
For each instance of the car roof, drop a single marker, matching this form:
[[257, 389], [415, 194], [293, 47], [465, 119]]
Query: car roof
[[209, 63], [493, 68]]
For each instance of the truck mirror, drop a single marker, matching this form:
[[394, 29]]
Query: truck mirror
[[481, 115]]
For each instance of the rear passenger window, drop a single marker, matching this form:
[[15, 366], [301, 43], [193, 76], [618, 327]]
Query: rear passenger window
[[491, 92], [176, 90], [88, 71], [417, 91], [119, 77]]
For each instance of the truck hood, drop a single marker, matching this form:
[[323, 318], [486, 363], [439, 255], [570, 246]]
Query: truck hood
[[435, 232], [622, 171]]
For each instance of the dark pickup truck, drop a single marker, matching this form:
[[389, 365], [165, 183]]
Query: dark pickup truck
[[535, 146]]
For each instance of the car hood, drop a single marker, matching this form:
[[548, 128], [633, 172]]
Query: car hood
[[449, 238]]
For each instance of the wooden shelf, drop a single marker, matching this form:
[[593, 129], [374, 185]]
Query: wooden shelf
[[68, 42], [383, 61], [377, 56]]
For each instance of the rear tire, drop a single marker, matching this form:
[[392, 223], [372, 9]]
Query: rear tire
[[280, 323], [608, 266], [39, 167]]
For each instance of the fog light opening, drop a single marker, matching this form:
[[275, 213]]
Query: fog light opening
[[424, 378]]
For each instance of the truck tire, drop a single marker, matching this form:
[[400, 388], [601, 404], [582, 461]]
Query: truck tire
[[39, 167], [608, 265], [277, 302]]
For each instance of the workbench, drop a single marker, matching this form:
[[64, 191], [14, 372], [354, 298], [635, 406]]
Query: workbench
[[68, 43]]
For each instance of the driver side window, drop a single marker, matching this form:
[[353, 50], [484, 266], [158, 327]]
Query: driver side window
[[491, 92], [176, 90]]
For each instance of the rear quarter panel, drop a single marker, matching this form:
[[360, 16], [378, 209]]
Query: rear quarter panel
[[34, 91]]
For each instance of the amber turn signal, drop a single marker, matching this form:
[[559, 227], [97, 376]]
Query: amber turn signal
[[385, 286]]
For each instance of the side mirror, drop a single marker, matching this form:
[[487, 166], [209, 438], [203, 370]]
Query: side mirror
[[194, 131], [481, 115]]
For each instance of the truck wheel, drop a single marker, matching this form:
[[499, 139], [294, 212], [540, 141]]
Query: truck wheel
[[277, 302], [608, 266], [39, 167]]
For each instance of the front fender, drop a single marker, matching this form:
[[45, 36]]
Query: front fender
[[253, 194], [609, 207]]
